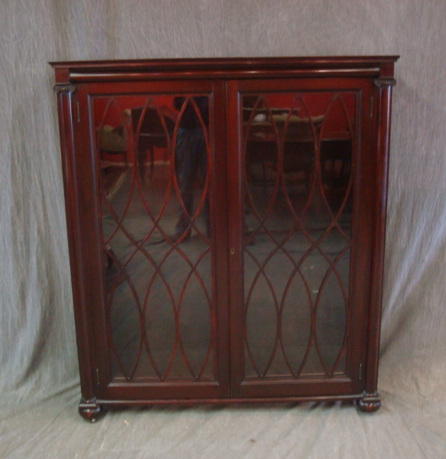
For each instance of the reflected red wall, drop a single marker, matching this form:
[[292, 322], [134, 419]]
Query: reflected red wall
[[306, 104]]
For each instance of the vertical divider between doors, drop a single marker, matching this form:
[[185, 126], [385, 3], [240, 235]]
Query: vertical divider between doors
[[235, 220], [220, 220]]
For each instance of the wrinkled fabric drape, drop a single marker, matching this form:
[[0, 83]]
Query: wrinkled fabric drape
[[38, 364]]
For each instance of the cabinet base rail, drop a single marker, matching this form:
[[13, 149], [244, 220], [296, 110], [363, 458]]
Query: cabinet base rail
[[91, 410]]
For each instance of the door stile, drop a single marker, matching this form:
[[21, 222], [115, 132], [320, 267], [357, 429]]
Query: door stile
[[220, 230], [235, 210]]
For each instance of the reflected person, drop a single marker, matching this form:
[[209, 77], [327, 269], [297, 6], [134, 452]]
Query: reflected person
[[190, 161]]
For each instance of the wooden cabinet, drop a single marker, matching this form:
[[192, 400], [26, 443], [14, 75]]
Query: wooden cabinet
[[226, 222]]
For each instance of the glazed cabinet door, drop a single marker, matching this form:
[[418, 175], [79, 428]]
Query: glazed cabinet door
[[150, 188], [300, 222]]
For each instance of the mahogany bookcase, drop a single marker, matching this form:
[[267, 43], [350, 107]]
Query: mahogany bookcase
[[226, 224]]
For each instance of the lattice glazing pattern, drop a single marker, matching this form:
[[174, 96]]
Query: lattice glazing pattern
[[154, 156], [298, 150]]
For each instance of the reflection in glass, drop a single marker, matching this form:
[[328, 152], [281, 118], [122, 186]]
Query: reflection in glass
[[297, 226], [154, 155]]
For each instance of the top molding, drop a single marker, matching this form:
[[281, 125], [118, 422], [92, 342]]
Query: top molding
[[381, 67]]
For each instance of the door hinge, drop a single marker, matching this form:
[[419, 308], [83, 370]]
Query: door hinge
[[98, 379], [360, 371]]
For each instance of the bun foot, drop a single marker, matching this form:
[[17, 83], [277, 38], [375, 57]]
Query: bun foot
[[369, 403], [90, 410]]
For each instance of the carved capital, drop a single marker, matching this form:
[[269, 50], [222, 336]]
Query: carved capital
[[90, 410], [384, 82], [64, 88], [369, 403]]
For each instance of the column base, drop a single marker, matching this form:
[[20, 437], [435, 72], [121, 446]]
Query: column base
[[369, 403], [90, 410]]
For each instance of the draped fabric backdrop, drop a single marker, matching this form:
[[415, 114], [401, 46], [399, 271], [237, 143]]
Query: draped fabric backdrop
[[38, 362]]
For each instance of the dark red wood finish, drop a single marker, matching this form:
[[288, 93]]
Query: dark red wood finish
[[224, 79]]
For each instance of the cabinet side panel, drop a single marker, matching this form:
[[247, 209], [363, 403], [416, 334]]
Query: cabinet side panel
[[65, 98], [384, 95]]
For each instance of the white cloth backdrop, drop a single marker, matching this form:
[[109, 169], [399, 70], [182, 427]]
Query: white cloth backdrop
[[38, 363]]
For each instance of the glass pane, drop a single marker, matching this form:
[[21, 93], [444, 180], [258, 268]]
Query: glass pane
[[154, 154], [297, 150]]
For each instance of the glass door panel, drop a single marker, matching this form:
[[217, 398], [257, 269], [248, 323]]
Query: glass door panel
[[297, 151], [155, 155]]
